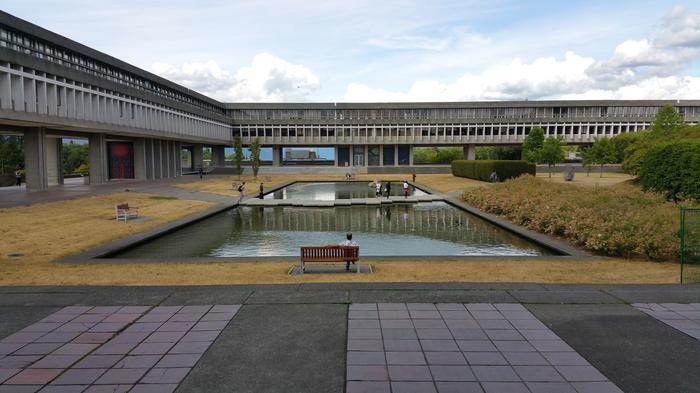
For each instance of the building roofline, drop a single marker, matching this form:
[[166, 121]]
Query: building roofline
[[51, 37]]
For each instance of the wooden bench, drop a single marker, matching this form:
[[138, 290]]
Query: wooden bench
[[345, 254], [124, 211]]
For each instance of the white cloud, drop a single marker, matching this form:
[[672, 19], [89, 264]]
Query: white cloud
[[267, 79], [410, 42], [649, 68]]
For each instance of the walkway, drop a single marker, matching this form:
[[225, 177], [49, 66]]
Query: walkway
[[294, 338]]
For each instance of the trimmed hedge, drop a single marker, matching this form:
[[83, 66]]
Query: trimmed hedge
[[672, 169], [482, 169]]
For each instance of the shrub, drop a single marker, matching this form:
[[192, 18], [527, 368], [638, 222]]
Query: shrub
[[673, 170], [618, 220], [482, 169]]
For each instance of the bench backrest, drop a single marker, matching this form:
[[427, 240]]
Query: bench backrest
[[123, 206], [325, 253]]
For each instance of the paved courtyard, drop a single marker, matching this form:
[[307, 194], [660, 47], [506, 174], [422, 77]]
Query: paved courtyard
[[349, 338]]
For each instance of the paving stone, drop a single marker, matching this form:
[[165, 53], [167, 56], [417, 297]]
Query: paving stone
[[197, 347], [74, 310], [6, 349], [480, 307], [468, 334], [56, 361], [518, 315], [151, 349], [121, 376], [363, 314], [445, 358], [165, 310], [504, 334], [398, 334], [504, 387], [462, 324], [38, 349], [392, 306], [125, 337], [78, 327], [551, 345], [195, 309], [355, 345], [108, 327], [565, 359], [434, 334], [211, 325], [525, 358], [390, 323], [103, 310], [203, 336], [486, 315], [93, 338], [413, 387], [34, 376], [98, 361], [367, 373], [63, 389], [92, 319], [180, 360], [160, 388], [362, 307], [84, 376], [75, 349], [59, 318], [363, 324], [495, 373], [137, 361], [18, 361], [165, 375], [40, 327], [424, 314], [476, 346], [364, 334], [596, 387], [367, 387], [402, 345], [409, 373], [527, 324], [148, 327], [421, 306], [133, 309], [581, 374], [164, 337], [495, 324], [21, 338], [455, 315], [121, 318], [550, 387], [181, 317], [450, 307], [539, 334], [111, 348], [514, 346], [361, 358], [393, 314], [452, 373], [439, 345], [458, 387], [20, 388], [154, 318], [6, 373], [538, 373], [407, 358], [429, 324], [485, 358], [510, 307]]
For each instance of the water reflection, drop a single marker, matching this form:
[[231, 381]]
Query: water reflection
[[338, 190], [434, 228]]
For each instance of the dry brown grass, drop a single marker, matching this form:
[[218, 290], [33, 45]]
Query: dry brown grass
[[223, 185], [581, 179]]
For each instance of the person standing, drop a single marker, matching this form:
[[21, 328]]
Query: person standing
[[18, 177], [201, 173], [262, 191], [388, 189], [414, 177], [241, 189], [405, 189], [378, 186]]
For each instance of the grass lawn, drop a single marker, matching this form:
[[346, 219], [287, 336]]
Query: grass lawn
[[43, 233], [581, 179]]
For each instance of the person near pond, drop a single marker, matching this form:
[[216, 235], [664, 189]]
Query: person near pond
[[348, 243], [200, 171], [241, 190], [378, 186], [18, 177], [493, 177], [414, 177], [262, 191], [387, 188], [405, 189]]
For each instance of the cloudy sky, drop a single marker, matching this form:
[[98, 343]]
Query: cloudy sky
[[361, 50]]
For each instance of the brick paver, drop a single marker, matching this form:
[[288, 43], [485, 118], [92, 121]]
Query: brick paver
[[441, 348], [110, 348], [684, 317]]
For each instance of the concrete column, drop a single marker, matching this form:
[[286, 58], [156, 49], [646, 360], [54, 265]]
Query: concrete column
[[157, 159], [410, 155], [396, 155], [54, 160], [335, 156], [276, 153], [351, 152], [178, 161], [35, 159], [469, 152], [381, 155], [98, 159], [218, 156], [140, 159], [366, 160], [197, 156]]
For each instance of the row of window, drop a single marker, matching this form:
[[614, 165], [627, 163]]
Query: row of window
[[50, 52], [438, 131], [451, 113]]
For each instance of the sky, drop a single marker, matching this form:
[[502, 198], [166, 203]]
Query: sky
[[380, 51]]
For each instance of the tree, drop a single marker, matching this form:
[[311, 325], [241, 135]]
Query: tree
[[551, 153], [587, 161], [206, 154], [255, 156], [667, 119], [11, 153], [602, 152], [74, 155], [532, 144], [238, 155]]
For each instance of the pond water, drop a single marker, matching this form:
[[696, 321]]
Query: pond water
[[418, 229], [337, 190]]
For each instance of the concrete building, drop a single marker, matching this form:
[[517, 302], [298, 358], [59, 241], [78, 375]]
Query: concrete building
[[138, 123]]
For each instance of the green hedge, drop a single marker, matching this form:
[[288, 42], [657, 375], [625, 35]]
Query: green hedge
[[673, 170], [482, 169]]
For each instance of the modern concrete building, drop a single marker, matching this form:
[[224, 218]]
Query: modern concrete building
[[137, 123]]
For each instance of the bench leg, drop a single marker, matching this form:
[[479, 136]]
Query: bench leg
[[301, 266], [358, 265]]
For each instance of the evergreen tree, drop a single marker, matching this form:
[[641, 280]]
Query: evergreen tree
[[255, 157], [238, 155], [11, 153], [533, 144], [667, 119]]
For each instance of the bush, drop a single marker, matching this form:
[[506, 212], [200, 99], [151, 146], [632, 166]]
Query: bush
[[618, 220], [673, 170], [482, 169]]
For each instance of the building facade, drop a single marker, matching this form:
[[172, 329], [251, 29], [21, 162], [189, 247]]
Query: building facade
[[137, 123]]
